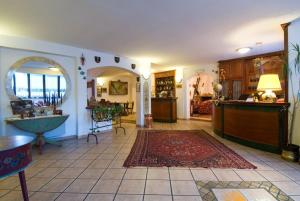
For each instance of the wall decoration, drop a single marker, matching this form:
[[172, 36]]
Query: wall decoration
[[117, 59], [138, 87], [99, 91], [82, 60], [97, 59], [146, 97], [133, 66], [118, 88]]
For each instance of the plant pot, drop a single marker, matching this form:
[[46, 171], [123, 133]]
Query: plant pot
[[290, 152], [148, 121]]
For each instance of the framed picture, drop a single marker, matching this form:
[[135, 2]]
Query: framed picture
[[118, 88]]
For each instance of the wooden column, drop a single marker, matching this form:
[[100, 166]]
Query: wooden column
[[286, 52]]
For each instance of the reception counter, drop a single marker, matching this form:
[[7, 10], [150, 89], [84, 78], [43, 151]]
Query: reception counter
[[164, 109], [258, 125]]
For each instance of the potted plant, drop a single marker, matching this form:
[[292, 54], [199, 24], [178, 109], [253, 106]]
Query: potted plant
[[291, 151]]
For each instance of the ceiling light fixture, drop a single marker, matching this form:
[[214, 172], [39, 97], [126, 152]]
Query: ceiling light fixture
[[53, 68], [243, 50]]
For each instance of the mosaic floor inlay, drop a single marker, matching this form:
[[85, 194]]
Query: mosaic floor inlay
[[240, 191]]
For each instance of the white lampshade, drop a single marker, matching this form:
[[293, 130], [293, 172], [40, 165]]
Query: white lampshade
[[269, 82]]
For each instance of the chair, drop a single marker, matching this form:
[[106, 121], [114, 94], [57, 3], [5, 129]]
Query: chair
[[129, 108]]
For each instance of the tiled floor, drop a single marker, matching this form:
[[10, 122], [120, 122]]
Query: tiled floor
[[86, 171]]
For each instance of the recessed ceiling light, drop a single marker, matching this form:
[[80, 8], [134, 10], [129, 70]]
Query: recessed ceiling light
[[243, 50]]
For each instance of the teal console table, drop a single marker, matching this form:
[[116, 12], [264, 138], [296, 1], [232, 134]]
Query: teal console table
[[39, 125]]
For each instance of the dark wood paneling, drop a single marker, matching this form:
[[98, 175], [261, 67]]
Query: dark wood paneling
[[252, 125], [217, 117], [164, 109]]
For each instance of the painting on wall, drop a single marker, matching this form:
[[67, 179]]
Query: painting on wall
[[118, 88]]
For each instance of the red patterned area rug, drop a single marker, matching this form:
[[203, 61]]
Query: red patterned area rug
[[182, 148]]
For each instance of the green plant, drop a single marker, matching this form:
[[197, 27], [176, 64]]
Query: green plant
[[107, 112], [293, 72]]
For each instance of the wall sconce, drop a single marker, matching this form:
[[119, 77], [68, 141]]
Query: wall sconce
[[179, 76], [100, 81], [146, 74]]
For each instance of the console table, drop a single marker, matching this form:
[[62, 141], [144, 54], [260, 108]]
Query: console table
[[15, 156], [39, 125]]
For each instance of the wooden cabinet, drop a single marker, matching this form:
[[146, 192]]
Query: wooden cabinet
[[165, 81], [242, 74], [164, 109]]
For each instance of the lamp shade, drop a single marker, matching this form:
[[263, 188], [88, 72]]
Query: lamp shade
[[269, 82]]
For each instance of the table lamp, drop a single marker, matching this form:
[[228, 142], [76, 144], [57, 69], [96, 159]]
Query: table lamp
[[269, 83]]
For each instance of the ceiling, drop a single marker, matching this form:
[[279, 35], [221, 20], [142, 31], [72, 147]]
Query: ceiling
[[166, 32]]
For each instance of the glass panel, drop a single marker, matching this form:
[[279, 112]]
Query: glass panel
[[51, 84], [36, 86], [63, 85], [237, 89], [21, 85]]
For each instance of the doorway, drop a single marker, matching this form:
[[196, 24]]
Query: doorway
[[115, 85], [200, 94]]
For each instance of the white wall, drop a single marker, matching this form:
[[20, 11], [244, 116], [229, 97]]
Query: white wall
[[69, 57], [294, 38]]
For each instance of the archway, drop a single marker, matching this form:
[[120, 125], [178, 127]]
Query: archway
[[118, 85], [199, 90]]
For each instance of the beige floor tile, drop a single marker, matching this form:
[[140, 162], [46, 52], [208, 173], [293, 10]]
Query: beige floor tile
[[106, 186], [117, 164], [184, 188], [136, 173], [32, 171], [81, 163], [159, 187], [292, 174], [3, 192], [35, 183], [100, 197], [57, 185], [289, 187], [43, 163], [179, 174], [203, 175], [129, 198], [187, 198], [226, 175], [49, 172], [296, 198], [157, 197], [44, 196], [107, 156], [158, 173], [250, 175], [273, 175], [70, 173], [62, 163], [92, 173], [71, 197], [9, 183], [81, 186], [132, 187], [100, 164], [89, 156], [12, 196], [113, 174]]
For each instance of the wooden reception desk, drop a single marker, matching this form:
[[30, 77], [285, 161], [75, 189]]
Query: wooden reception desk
[[259, 125], [164, 109]]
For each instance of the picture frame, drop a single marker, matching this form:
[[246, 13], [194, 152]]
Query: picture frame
[[118, 88]]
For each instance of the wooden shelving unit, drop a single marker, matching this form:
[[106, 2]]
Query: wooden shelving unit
[[165, 81]]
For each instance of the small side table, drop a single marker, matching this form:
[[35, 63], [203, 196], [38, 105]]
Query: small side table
[[15, 156]]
